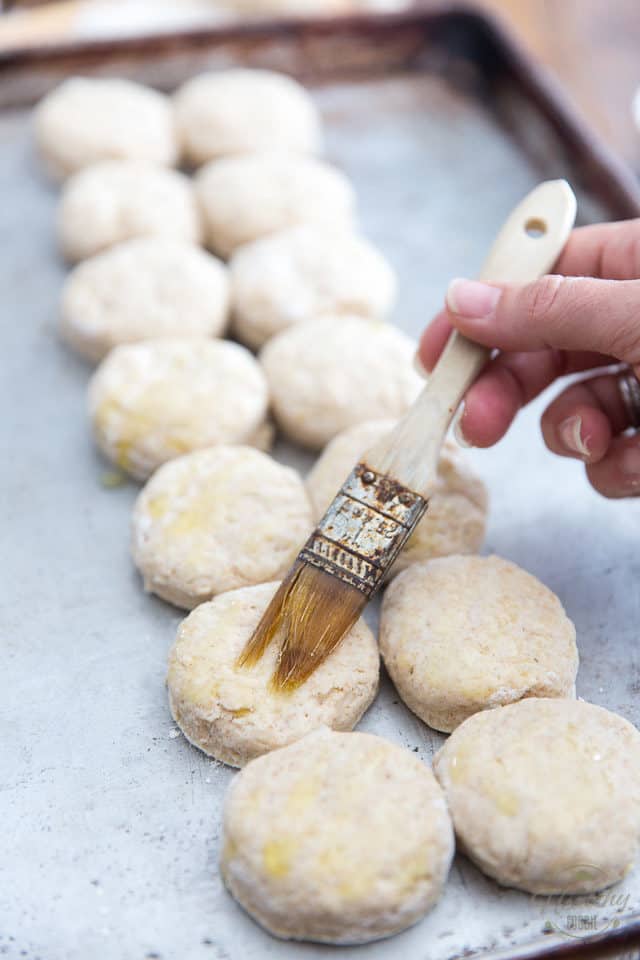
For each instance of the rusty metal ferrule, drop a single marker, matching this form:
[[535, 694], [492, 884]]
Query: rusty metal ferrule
[[364, 529]]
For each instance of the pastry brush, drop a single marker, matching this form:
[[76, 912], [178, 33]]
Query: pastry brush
[[347, 557]]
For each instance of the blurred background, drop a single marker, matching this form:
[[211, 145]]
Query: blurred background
[[590, 45]]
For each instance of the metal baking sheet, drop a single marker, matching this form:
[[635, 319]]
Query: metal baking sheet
[[110, 820]]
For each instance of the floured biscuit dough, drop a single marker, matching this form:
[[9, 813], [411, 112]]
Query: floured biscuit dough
[[241, 111], [456, 517], [231, 712], [545, 794], [89, 119], [246, 197], [143, 289], [117, 200], [328, 374], [340, 838], [150, 402], [463, 634], [302, 273], [218, 519]]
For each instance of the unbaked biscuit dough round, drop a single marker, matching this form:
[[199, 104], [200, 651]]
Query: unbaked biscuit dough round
[[302, 273], [330, 373], [152, 401], [463, 634], [215, 520], [545, 794], [117, 200], [231, 712], [89, 119], [339, 838], [246, 197], [142, 289], [241, 111], [456, 517]]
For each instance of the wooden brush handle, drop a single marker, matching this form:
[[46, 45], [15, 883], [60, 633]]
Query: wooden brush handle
[[526, 248]]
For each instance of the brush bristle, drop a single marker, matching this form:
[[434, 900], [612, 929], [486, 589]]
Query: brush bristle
[[311, 611]]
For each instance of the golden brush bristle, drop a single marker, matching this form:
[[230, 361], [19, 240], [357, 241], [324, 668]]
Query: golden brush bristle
[[311, 611]]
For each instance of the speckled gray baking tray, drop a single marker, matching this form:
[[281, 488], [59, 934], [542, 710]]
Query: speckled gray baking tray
[[109, 819]]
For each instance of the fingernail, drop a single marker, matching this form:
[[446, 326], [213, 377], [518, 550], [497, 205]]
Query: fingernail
[[471, 299], [457, 429], [570, 433], [630, 463], [419, 366]]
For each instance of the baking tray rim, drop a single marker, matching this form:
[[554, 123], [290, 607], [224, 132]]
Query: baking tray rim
[[535, 79], [166, 41]]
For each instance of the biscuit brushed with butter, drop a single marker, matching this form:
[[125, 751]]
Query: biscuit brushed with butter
[[232, 713], [339, 838], [218, 519], [152, 401]]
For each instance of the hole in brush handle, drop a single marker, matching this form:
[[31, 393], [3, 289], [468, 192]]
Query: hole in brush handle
[[535, 227]]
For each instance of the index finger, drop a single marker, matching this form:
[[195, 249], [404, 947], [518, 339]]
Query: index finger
[[607, 251]]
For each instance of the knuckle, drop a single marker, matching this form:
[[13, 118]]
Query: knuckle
[[609, 481], [601, 483], [625, 334], [631, 251], [618, 254], [625, 343], [543, 298]]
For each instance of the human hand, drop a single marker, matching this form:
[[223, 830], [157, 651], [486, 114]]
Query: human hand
[[587, 318]]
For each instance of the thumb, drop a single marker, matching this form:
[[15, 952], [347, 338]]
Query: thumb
[[566, 313]]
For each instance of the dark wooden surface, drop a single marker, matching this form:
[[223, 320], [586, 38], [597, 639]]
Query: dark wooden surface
[[593, 47]]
